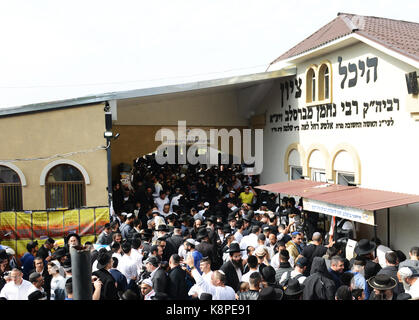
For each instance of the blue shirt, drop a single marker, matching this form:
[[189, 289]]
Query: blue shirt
[[197, 256], [27, 264], [360, 282], [120, 279]]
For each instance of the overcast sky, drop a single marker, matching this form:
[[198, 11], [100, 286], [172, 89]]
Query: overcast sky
[[52, 50]]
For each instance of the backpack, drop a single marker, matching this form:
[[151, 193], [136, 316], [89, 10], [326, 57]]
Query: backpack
[[284, 283]]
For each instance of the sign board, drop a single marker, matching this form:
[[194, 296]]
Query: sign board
[[354, 214], [350, 247]]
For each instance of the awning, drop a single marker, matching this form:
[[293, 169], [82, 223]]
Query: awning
[[353, 203]]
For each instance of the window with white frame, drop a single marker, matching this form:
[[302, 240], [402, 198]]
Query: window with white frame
[[345, 178], [318, 175]]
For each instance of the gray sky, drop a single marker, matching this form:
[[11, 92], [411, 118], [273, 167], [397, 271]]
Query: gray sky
[[52, 50]]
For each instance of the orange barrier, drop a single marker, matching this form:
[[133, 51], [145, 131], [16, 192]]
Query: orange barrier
[[19, 228]]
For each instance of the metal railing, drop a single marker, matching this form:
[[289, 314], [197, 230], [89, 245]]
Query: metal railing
[[10, 196], [69, 194]]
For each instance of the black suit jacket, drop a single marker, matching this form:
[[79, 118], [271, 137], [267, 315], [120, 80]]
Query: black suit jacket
[[177, 289], [108, 291], [176, 241], [160, 281], [232, 279]]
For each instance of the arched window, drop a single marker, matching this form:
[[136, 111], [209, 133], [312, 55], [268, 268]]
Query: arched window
[[65, 187], [310, 85], [10, 190], [324, 82]]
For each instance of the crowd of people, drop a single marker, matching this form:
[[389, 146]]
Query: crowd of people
[[192, 232]]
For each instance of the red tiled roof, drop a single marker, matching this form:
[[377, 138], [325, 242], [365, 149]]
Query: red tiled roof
[[355, 197], [397, 35]]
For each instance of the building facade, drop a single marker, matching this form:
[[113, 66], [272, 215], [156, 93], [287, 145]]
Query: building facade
[[347, 116]]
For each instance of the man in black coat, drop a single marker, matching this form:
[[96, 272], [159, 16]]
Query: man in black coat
[[45, 250], [158, 276], [319, 285], [177, 289], [233, 268], [208, 249], [176, 239], [104, 264]]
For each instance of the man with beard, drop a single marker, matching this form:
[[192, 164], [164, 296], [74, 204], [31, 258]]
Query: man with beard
[[233, 269], [408, 276]]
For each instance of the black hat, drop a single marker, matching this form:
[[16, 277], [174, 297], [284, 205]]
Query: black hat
[[148, 233], [231, 216], [59, 253], [50, 241], [103, 259], [226, 228], [234, 247], [270, 293], [293, 287], [364, 246], [382, 282], [3, 255], [404, 296], [128, 295], [247, 217], [212, 219], [162, 227], [72, 234], [219, 225], [31, 245], [172, 216], [153, 260], [202, 233], [205, 296]]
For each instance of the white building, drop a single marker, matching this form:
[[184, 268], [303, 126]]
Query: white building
[[347, 115]]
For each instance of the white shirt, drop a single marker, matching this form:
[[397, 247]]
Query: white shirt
[[414, 289], [126, 266], [175, 201], [249, 240], [218, 293], [294, 273], [197, 290], [161, 202], [239, 273], [246, 276], [137, 257], [33, 289], [381, 255], [275, 261], [238, 236], [11, 291], [149, 295], [182, 252], [157, 188], [55, 283]]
